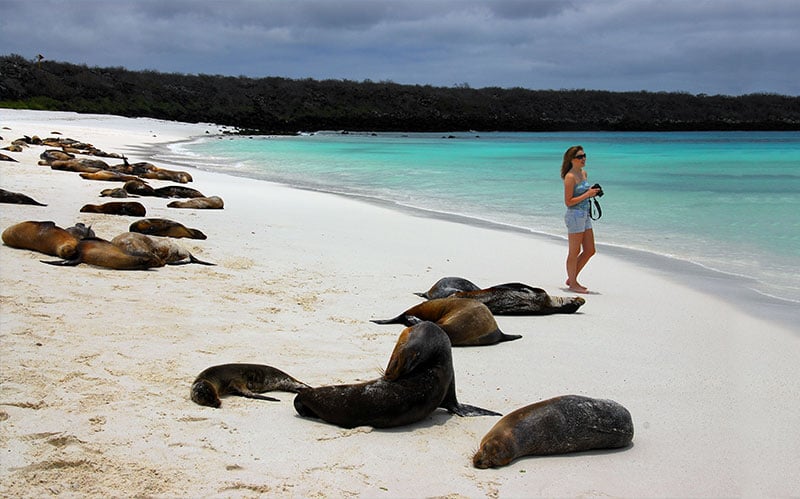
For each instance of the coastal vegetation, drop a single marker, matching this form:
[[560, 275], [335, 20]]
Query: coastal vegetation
[[283, 105]]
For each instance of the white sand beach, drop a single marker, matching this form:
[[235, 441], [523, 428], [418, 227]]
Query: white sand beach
[[96, 364]]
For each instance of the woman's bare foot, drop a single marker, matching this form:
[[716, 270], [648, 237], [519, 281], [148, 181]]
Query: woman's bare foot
[[577, 288]]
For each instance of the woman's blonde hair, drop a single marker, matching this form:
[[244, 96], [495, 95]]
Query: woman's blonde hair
[[566, 166]]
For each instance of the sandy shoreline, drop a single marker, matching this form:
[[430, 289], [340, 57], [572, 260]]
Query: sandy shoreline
[[96, 364]]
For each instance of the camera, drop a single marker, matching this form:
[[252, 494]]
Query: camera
[[600, 190]]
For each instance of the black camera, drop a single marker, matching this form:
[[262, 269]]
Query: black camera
[[600, 190]]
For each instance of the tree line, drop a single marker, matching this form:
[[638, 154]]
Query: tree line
[[283, 105]]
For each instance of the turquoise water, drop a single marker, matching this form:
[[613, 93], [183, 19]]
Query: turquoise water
[[724, 200]]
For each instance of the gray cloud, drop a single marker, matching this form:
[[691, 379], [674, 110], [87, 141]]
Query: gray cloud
[[698, 46]]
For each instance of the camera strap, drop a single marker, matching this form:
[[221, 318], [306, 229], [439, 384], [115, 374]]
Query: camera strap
[[593, 204]]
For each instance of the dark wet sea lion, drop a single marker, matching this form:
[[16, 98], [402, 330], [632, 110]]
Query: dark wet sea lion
[[101, 253], [467, 322], [44, 237], [178, 191], [446, 286], [117, 192], [138, 187], [418, 379], [17, 198], [81, 231], [245, 380], [165, 248], [570, 423], [164, 227], [4, 157], [210, 203], [507, 299], [128, 208]]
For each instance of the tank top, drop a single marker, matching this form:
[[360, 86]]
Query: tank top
[[579, 189]]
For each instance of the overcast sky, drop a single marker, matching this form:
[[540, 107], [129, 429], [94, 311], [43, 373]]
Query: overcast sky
[[729, 47]]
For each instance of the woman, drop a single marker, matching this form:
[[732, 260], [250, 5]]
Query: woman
[[579, 225]]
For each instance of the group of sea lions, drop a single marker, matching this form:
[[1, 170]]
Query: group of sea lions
[[419, 378], [136, 249]]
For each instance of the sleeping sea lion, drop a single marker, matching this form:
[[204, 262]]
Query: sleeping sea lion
[[210, 203], [418, 379], [506, 299], [570, 423], [128, 208], [17, 198], [107, 175], [177, 191], [44, 237], [467, 322], [245, 380], [101, 253], [164, 227], [165, 248]]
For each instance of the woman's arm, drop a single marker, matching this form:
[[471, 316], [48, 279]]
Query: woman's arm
[[569, 188]]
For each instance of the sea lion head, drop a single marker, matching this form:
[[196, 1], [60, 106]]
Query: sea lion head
[[204, 393], [496, 449], [416, 345]]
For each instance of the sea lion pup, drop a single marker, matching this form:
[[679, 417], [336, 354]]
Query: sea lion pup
[[127, 208], [101, 253], [245, 380], [164, 227], [165, 248], [17, 198], [418, 379], [506, 299], [570, 423], [467, 322], [210, 203], [44, 237]]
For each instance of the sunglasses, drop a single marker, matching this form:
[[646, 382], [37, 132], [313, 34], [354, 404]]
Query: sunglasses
[[580, 156]]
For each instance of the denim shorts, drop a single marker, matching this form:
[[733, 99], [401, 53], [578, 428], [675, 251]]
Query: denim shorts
[[577, 221]]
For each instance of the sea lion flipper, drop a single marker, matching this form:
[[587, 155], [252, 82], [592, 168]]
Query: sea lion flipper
[[400, 319], [62, 263], [192, 259], [465, 410]]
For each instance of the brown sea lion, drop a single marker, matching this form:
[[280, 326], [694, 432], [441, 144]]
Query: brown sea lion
[[174, 176], [245, 380], [127, 208], [506, 299], [177, 191], [79, 165], [107, 175], [164, 227], [418, 379], [51, 155], [44, 237], [3, 157], [467, 322], [210, 203], [165, 248], [101, 253], [570, 423], [17, 198], [117, 192]]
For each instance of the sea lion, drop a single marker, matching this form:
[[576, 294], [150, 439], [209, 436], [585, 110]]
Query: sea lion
[[17, 198], [165, 248], [138, 187], [418, 379], [128, 208], [569, 423], [164, 227], [107, 175], [80, 231], [117, 192], [177, 191], [101, 253], [79, 165], [210, 203], [506, 299], [4, 157], [245, 380], [44, 237], [50, 155], [467, 322]]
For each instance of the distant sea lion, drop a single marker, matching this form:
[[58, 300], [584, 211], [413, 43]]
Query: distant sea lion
[[107, 175], [79, 165], [138, 187], [101, 253], [210, 203], [128, 208], [569, 423], [17, 198], [50, 155], [164, 227], [506, 299], [418, 378], [165, 248], [117, 192], [3, 157], [467, 322], [245, 380], [177, 191], [44, 237]]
